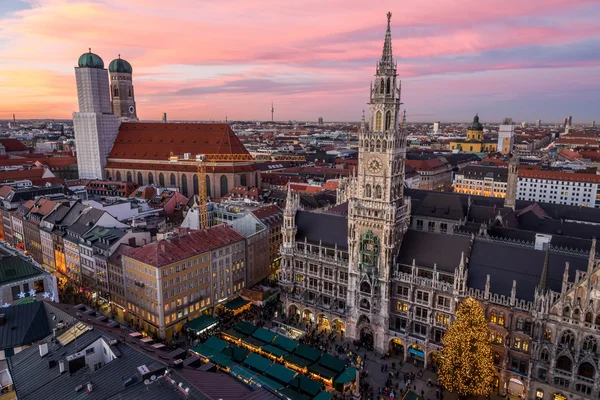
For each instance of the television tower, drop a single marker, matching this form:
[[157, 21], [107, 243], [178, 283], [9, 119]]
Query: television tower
[[272, 111]]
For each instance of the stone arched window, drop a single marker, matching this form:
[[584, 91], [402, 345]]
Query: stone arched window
[[382, 86], [564, 363], [129, 177], [519, 326], [568, 339], [378, 192], [590, 344], [161, 179], [527, 326], [208, 186], [115, 92], [388, 120], [243, 180], [224, 185], [372, 146], [589, 317], [184, 187], [544, 355], [173, 180], [364, 304], [195, 184], [378, 120], [378, 145], [140, 179], [388, 86], [566, 312], [384, 145], [576, 315], [365, 287], [367, 190], [150, 178], [493, 317], [118, 176], [501, 318], [586, 370]]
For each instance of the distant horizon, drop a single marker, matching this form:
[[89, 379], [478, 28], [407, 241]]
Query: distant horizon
[[526, 60]]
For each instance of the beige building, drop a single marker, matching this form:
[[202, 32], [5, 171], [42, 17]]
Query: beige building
[[174, 280], [481, 180]]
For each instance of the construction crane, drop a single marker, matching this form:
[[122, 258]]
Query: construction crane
[[202, 160]]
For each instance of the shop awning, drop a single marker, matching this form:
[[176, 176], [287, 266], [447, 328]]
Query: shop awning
[[245, 328], [257, 362], [297, 361], [305, 385], [234, 334], [273, 351], [202, 323], [235, 304], [324, 396], [270, 383], [307, 352], [331, 362], [347, 376], [264, 335], [221, 360], [292, 394], [280, 373], [236, 353], [216, 344], [321, 371], [285, 343], [253, 342], [203, 350]]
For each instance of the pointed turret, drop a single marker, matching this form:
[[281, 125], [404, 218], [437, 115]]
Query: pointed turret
[[387, 59], [591, 259], [544, 278], [512, 181]]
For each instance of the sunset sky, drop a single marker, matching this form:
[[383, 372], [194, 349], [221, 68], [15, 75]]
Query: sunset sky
[[203, 59]]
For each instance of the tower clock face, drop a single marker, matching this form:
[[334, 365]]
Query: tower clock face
[[374, 165]]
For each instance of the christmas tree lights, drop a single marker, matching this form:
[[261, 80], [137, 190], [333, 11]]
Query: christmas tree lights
[[466, 364]]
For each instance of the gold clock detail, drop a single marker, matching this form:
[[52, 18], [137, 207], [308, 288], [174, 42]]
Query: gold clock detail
[[374, 165]]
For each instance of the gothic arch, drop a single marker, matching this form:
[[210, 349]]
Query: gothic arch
[[378, 192], [195, 184], [568, 339], [388, 86], [589, 317], [129, 177], [590, 344], [545, 355], [566, 312], [365, 287], [364, 304], [161, 179], [378, 121], [367, 190], [372, 146], [564, 363], [224, 187], [150, 178], [388, 120], [243, 180], [576, 315], [184, 187], [107, 173], [173, 180], [382, 86], [118, 176], [140, 179], [384, 145], [586, 370], [378, 145]]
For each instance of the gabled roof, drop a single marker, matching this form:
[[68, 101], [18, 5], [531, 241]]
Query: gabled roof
[[23, 325], [15, 268], [327, 229], [156, 141]]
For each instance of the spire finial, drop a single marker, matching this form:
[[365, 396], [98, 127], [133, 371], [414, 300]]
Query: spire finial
[[387, 59], [90, 49], [119, 55], [389, 17]]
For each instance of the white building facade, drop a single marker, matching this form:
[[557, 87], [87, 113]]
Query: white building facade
[[558, 187]]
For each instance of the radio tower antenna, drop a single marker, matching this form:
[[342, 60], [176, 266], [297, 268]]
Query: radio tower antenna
[[272, 111]]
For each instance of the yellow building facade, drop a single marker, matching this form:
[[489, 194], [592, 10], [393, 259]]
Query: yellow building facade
[[474, 142]]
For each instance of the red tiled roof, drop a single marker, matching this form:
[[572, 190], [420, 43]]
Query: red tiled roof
[[17, 175], [331, 184], [279, 179], [13, 145], [426, 165], [156, 141], [5, 190], [243, 192], [569, 154], [304, 188], [174, 167], [268, 211], [559, 175], [184, 246]]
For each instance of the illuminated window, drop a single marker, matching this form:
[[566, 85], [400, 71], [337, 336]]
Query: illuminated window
[[493, 317], [517, 343], [501, 319], [378, 121], [525, 346], [402, 307]]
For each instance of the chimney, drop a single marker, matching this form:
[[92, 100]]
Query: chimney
[[43, 349]]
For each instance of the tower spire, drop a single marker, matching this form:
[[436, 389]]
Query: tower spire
[[387, 59]]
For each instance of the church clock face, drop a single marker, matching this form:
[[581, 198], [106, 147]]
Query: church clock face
[[374, 165]]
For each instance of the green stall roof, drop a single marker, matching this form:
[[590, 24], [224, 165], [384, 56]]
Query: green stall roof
[[221, 360], [257, 362], [203, 351], [235, 334], [270, 383], [236, 303], [202, 323], [332, 363], [306, 385], [253, 341], [299, 361], [215, 343], [245, 328], [264, 335], [293, 395], [321, 371], [324, 396], [285, 343], [280, 373], [235, 352], [273, 351], [307, 352], [346, 376]]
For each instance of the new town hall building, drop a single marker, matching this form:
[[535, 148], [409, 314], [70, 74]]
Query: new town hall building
[[389, 266]]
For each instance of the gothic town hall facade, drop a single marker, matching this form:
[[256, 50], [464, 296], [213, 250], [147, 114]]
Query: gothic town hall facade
[[389, 265]]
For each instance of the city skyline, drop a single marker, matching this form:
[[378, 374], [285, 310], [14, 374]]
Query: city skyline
[[527, 61]]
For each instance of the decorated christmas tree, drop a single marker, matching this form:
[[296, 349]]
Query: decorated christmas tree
[[466, 365]]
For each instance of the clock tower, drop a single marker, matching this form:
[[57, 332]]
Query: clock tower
[[378, 212]]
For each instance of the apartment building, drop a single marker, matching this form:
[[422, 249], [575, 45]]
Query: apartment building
[[171, 281], [434, 173], [481, 180], [559, 187]]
